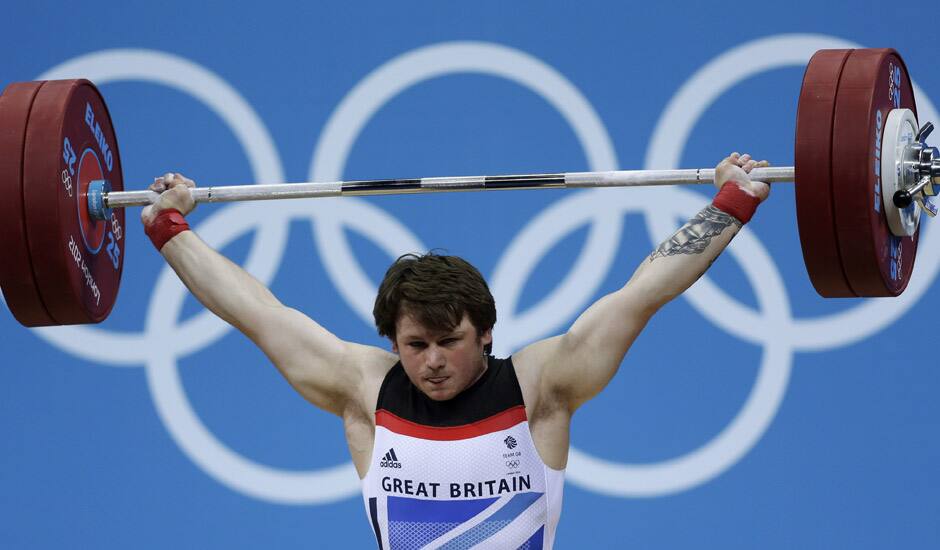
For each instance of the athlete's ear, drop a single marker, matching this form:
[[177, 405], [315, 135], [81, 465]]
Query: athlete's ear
[[487, 337], [394, 346]]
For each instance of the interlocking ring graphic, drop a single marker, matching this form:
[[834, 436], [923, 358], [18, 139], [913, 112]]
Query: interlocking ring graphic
[[601, 210]]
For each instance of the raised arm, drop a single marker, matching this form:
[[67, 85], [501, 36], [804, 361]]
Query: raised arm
[[327, 371], [574, 367]]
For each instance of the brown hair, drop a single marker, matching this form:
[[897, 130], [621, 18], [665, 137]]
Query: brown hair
[[437, 291]]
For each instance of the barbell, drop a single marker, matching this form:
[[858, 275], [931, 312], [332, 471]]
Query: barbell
[[863, 173]]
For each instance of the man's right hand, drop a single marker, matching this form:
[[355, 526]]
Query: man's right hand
[[173, 189]]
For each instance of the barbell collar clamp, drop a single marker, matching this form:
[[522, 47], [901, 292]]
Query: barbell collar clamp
[[927, 158], [97, 190], [904, 197]]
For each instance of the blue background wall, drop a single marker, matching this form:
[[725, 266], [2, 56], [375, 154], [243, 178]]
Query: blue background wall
[[750, 413]]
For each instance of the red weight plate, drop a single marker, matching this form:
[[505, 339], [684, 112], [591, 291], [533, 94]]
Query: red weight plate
[[815, 212], [16, 272], [70, 142], [876, 262]]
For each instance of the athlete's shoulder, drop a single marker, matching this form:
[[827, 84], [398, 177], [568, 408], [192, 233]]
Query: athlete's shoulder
[[531, 364], [532, 359], [370, 365], [371, 360]]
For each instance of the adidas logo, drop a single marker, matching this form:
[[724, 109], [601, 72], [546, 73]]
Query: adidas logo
[[390, 460]]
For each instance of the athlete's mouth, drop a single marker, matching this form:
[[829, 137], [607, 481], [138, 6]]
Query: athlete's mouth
[[437, 380]]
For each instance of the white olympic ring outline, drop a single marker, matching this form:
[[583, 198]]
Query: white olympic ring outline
[[600, 208]]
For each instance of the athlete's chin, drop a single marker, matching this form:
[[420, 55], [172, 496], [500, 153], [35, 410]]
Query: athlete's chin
[[439, 392]]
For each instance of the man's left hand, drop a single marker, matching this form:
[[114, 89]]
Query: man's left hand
[[737, 168]]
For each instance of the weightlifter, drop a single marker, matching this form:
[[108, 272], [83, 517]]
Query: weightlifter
[[455, 447]]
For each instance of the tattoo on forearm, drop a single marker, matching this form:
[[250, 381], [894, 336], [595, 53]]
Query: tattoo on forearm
[[694, 237]]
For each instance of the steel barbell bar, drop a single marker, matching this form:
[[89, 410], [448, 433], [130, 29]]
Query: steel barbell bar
[[101, 200]]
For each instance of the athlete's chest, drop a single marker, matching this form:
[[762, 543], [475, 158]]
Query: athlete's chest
[[492, 458]]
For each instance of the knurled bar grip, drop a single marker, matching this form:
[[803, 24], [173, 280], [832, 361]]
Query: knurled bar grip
[[618, 178]]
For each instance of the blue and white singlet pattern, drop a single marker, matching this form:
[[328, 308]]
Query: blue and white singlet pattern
[[462, 473]]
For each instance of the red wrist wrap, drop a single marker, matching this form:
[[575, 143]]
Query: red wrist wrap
[[168, 224], [735, 201]]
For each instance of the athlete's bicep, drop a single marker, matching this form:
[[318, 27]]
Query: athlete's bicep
[[577, 365]]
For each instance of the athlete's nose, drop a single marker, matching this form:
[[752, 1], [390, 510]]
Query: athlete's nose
[[435, 358]]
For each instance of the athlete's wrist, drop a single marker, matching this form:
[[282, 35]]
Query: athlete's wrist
[[164, 226], [735, 201]]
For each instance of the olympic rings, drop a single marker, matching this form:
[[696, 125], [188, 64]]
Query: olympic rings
[[602, 210]]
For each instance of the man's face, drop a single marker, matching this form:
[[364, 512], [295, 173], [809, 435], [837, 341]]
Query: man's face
[[441, 363]]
